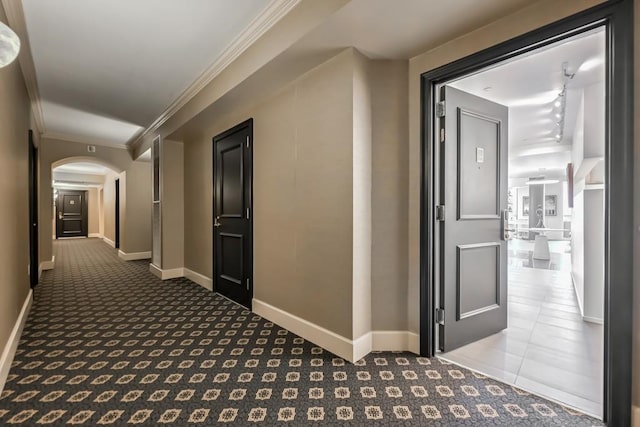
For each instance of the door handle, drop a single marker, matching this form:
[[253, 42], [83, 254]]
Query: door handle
[[217, 222], [505, 225], [59, 215]]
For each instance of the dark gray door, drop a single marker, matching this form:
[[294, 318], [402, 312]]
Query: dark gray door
[[473, 273], [232, 223], [72, 214]]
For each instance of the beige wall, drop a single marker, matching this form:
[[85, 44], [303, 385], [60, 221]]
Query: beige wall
[[361, 199], [172, 204], [94, 211], [330, 195], [303, 230], [14, 208], [135, 208], [389, 195]]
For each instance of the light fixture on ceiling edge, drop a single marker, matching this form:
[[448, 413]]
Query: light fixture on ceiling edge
[[9, 45], [541, 180]]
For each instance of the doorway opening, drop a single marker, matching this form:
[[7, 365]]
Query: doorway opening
[[465, 269], [530, 180], [84, 199]]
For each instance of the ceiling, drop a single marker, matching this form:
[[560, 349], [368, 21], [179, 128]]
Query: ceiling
[[380, 29], [529, 86], [395, 29], [106, 69], [83, 168]]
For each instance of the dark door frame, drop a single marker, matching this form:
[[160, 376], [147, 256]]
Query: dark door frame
[[116, 242], [34, 270], [617, 17], [248, 124]]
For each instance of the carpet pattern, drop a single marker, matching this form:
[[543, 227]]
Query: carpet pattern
[[106, 343]]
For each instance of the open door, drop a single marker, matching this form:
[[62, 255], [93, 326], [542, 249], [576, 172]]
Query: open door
[[473, 228]]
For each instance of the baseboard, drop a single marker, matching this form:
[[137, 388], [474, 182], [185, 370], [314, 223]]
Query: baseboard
[[98, 235], [12, 344], [635, 416], [198, 278], [593, 320], [132, 256], [109, 242], [324, 338], [395, 341], [46, 265], [575, 291], [166, 274]]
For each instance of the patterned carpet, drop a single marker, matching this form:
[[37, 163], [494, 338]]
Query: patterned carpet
[[106, 343]]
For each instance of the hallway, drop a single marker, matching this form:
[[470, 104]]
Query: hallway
[[108, 343]]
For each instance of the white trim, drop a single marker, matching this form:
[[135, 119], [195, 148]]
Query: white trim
[[325, 338], [575, 290], [12, 344], [46, 265], [166, 274], [98, 235], [593, 320], [132, 256], [395, 341], [198, 278], [83, 140], [15, 16], [635, 416], [269, 16], [362, 346], [109, 242]]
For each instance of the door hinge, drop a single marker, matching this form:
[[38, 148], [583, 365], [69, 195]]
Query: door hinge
[[442, 134], [440, 316], [247, 142], [248, 282], [440, 109], [248, 213], [440, 213]]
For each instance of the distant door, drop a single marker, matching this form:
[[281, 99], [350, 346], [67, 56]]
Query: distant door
[[33, 212], [232, 213], [473, 276], [117, 215], [72, 214]]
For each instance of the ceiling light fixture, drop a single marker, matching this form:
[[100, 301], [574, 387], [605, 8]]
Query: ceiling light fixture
[[561, 101], [541, 181], [9, 45]]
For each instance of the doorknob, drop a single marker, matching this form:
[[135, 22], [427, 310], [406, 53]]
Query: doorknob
[[216, 222]]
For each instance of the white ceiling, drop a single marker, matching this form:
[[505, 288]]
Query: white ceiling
[[394, 29], [83, 168], [381, 29], [529, 86], [108, 68]]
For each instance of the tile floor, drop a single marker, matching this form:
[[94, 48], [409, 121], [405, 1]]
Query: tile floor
[[547, 349]]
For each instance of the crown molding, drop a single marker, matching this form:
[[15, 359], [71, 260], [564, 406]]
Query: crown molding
[[15, 16], [270, 15], [87, 141]]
